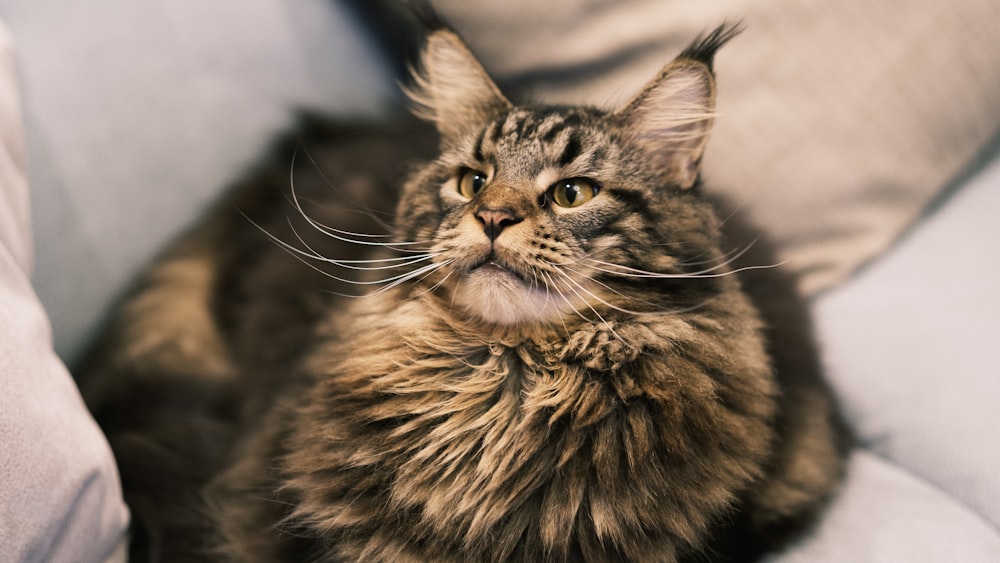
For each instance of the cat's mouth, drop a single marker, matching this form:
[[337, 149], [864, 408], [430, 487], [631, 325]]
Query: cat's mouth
[[498, 292], [493, 266]]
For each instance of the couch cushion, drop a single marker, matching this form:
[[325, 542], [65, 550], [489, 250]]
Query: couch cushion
[[59, 494], [884, 514], [911, 345]]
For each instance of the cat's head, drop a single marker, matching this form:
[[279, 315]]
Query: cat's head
[[533, 212]]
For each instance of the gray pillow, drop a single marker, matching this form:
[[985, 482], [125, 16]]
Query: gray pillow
[[59, 494], [911, 343], [885, 514]]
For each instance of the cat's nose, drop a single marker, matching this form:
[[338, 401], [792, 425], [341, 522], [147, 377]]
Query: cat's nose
[[496, 220]]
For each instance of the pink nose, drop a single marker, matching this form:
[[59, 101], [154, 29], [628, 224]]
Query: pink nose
[[496, 220]]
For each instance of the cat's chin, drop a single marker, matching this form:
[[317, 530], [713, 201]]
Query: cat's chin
[[497, 295]]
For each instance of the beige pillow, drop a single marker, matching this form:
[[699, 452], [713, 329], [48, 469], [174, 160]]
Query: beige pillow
[[840, 121]]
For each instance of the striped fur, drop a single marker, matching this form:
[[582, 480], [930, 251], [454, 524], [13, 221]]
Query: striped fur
[[538, 381]]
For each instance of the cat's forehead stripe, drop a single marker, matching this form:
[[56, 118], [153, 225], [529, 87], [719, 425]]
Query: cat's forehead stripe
[[477, 151], [496, 130], [571, 150], [514, 124], [521, 124], [558, 137], [551, 126]]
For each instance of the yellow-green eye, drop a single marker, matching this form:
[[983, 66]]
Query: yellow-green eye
[[471, 182], [573, 192]]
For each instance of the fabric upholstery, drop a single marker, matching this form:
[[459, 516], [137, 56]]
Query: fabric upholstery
[[911, 344], [59, 495]]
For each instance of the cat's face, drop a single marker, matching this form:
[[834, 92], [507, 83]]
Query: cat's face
[[524, 200], [534, 213]]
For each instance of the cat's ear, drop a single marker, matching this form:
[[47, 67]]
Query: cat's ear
[[672, 115], [450, 88]]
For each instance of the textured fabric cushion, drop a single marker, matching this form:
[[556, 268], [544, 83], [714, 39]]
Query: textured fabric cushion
[[911, 344], [886, 515], [910, 347], [59, 495], [138, 113], [839, 121]]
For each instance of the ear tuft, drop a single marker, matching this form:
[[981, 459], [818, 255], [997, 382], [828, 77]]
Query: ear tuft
[[704, 47], [671, 117], [450, 88]]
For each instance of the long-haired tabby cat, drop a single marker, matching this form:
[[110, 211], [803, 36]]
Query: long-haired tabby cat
[[560, 358]]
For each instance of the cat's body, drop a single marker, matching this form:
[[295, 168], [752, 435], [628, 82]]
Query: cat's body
[[574, 371]]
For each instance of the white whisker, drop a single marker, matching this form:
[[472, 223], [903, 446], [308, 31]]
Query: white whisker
[[552, 286], [628, 271], [589, 306], [313, 255], [298, 253], [597, 298], [319, 170], [727, 257], [339, 234], [568, 302], [618, 293], [424, 272], [438, 284], [350, 264], [672, 311], [318, 203], [396, 280]]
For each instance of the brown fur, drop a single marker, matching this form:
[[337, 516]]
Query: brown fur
[[596, 383]]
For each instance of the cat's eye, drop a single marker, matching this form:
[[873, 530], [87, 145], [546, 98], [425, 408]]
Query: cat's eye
[[573, 192], [470, 182]]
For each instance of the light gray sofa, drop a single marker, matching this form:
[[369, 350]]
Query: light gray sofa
[[858, 133]]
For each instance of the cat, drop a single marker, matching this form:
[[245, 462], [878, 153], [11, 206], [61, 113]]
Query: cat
[[557, 361]]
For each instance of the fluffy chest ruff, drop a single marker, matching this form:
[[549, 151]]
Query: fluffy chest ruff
[[580, 447]]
